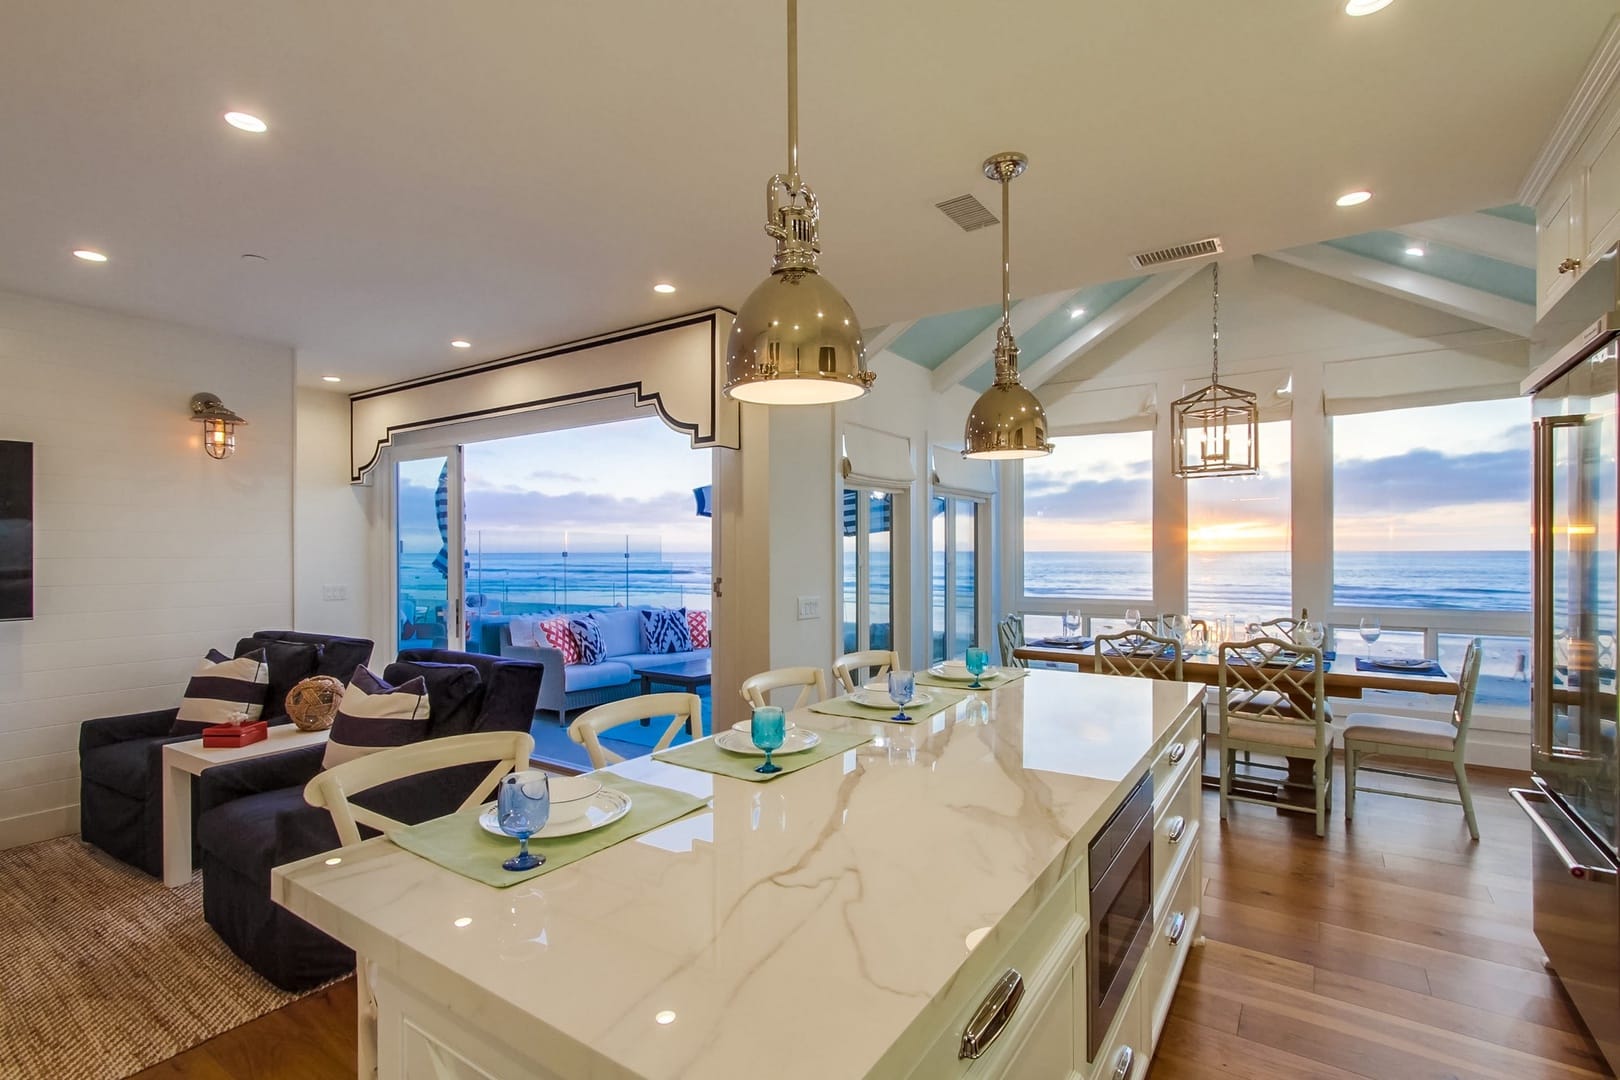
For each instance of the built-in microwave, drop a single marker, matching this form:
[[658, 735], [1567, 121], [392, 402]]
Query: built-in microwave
[[1120, 862]]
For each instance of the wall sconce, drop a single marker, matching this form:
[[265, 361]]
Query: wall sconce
[[219, 425]]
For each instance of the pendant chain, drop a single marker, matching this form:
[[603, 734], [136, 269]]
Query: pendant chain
[[1215, 325]]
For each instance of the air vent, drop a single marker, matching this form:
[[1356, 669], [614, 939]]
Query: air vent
[[1197, 249], [968, 212]]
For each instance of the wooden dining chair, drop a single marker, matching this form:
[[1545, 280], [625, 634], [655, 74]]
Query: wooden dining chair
[[1010, 635], [684, 710], [756, 689], [846, 669], [1137, 652], [1271, 703], [332, 788], [1416, 738]]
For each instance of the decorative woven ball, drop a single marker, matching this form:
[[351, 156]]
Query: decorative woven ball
[[314, 702]]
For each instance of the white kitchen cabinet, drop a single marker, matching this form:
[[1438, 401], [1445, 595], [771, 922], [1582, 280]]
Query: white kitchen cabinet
[[1557, 232]]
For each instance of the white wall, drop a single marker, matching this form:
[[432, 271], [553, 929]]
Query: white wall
[[147, 552], [331, 523]]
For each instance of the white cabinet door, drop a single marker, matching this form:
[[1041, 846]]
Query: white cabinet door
[[1048, 1051], [1555, 245], [1602, 190]]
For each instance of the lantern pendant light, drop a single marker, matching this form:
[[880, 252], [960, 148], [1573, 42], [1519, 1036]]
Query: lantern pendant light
[[1007, 422], [1215, 431], [796, 340]]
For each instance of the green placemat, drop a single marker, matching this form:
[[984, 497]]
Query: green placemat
[[844, 706], [705, 755], [457, 842], [1001, 678]]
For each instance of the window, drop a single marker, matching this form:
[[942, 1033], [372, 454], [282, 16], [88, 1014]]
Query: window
[[954, 615], [1238, 536], [1088, 518], [1431, 507], [868, 573]]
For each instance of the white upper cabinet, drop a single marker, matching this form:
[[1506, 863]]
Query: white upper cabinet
[[1578, 219], [1555, 244]]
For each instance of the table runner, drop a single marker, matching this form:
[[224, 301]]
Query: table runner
[[708, 757], [457, 842], [1431, 668], [843, 706], [992, 680]]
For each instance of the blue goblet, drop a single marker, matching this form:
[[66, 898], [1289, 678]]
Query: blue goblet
[[768, 729], [522, 807], [977, 660], [902, 688]]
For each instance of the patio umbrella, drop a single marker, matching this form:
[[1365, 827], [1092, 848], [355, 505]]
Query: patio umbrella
[[441, 510]]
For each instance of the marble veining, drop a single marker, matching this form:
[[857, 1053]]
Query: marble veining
[[807, 922]]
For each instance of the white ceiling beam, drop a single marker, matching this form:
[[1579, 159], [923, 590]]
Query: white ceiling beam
[[1404, 283], [980, 351], [1092, 334], [1481, 234], [886, 336]]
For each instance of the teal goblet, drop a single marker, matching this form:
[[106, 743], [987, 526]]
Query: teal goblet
[[977, 660], [768, 729]]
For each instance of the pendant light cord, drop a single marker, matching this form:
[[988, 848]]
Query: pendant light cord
[[1215, 325], [1006, 254], [793, 96]]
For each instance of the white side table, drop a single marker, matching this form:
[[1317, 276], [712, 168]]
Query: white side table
[[182, 761]]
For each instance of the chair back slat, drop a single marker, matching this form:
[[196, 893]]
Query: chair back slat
[[1010, 635], [333, 788], [811, 680], [684, 710], [1137, 652], [846, 668], [1267, 679], [1462, 709]]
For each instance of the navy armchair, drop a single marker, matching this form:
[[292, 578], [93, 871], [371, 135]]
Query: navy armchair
[[120, 757], [254, 817]]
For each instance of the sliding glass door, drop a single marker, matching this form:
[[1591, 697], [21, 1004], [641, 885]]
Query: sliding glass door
[[954, 614], [868, 569], [429, 583]]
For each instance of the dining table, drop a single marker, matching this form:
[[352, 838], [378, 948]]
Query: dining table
[[1342, 678]]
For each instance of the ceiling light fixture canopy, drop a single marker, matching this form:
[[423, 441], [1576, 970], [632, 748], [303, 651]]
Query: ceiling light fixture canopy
[[1007, 422], [1215, 431], [796, 340]]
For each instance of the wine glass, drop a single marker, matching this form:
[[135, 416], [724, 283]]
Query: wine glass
[[523, 804], [1071, 623], [977, 661], [1312, 633], [902, 688], [768, 729], [1370, 629], [1133, 618]]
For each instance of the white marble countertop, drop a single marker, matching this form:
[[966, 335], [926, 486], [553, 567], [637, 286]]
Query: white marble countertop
[[796, 928]]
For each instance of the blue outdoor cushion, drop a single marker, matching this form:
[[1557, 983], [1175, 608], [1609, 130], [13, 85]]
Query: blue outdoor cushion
[[621, 630], [664, 630], [595, 676]]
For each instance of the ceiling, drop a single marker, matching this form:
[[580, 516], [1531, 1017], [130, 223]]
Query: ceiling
[[520, 173]]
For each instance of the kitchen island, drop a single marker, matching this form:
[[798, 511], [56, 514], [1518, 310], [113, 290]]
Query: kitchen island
[[853, 919]]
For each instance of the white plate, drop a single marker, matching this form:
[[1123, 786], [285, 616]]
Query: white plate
[[747, 726], [880, 699], [606, 807], [797, 741], [940, 671]]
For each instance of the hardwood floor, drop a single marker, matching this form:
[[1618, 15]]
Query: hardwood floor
[[1393, 949]]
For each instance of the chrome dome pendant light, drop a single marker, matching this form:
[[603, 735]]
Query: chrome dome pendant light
[[1007, 422], [796, 340]]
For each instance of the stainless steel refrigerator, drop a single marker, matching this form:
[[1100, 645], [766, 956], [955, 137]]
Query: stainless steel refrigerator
[[1574, 804]]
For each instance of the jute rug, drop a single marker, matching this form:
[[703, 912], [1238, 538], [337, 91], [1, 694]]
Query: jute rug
[[104, 971]]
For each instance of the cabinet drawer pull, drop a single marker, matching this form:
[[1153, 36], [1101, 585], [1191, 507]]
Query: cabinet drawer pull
[[1122, 1064], [995, 1010], [1569, 266], [1178, 926], [1178, 827], [1177, 752]]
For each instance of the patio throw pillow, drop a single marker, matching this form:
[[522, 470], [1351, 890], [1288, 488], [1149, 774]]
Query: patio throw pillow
[[560, 636], [524, 631], [223, 691], [697, 624], [373, 715], [665, 630], [588, 635]]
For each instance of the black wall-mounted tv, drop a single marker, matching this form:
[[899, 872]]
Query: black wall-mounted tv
[[16, 530]]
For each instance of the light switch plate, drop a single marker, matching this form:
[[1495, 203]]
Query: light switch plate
[[809, 607]]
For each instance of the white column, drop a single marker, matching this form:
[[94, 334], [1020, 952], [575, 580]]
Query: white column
[[1312, 495], [1169, 510]]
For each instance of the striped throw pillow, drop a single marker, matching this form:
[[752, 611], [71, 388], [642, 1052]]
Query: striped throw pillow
[[223, 691], [373, 715]]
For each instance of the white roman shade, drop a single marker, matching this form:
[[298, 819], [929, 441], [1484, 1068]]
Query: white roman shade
[[1099, 412], [1410, 380], [877, 458], [957, 475], [1273, 390]]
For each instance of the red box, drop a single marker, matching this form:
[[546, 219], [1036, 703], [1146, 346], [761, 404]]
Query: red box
[[235, 734]]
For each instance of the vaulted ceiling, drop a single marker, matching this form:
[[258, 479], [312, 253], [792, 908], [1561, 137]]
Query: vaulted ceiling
[[521, 173]]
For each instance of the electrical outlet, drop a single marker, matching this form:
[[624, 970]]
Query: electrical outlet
[[334, 592], [809, 607]]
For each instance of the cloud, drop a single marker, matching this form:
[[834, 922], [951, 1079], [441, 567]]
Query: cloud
[[1426, 479], [555, 474], [522, 514], [1093, 500]]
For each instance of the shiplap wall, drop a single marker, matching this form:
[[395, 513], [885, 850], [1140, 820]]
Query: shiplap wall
[[147, 551]]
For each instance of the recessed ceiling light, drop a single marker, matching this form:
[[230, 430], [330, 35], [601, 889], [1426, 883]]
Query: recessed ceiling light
[[331, 378], [1353, 198], [663, 287], [1075, 313], [89, 256], [465, 920], [246, 122], [1415, 250], [1365, 7], [460, 344], [665, 1016]]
